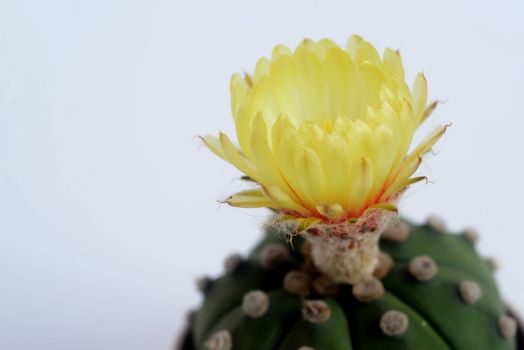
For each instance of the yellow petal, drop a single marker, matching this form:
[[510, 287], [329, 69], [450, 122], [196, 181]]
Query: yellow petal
[[249, 199], [386, 206], [400, 186], [239, 90], [262, 157], [367, 53], [262, 69], [335, 162], [285, 152], [420, 96], [283, 84], [362, 179], [243, 125], [261, 152], [281, 126], [429, 109], [312, 180], [310, 85], [214, 145], [234, 156], [413, 161], [279, 51], [322, 47], [353, 43], [332, 211], [426, 144], [340, 71], [371, 81], [281, 200], [393, 63]]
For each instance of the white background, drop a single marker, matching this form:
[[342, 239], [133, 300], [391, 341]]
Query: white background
[[108, 201]]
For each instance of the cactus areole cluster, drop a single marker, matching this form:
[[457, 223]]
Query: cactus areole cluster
[[324, 132]]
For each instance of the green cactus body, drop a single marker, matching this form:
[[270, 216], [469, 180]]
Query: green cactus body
[[455, 307]]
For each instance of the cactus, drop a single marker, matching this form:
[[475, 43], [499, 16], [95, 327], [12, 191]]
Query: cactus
[[431, 290], [324, 136]]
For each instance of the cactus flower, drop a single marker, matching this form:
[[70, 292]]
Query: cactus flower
[[325, 135], [325, 131]]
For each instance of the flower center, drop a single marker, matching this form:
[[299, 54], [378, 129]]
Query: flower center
[[327, 125]]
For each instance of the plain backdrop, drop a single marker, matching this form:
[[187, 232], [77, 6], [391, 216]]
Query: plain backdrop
[[108, 201]]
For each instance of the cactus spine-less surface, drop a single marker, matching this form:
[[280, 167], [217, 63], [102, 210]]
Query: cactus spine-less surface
[[431, 291]]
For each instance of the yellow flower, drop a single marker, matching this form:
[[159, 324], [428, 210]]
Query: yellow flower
[[325, 131]]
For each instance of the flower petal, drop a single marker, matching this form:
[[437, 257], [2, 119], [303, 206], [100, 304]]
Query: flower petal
[[214, 145], [393, 63], [234, 156], [249, 199], [281, 200], [420, 96]]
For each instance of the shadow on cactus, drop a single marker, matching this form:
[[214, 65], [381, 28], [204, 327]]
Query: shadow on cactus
[[324, 134]]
